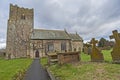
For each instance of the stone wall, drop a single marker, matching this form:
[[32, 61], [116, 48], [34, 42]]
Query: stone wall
[[2, 52], [42, 47], [20, 26], [77, 45]]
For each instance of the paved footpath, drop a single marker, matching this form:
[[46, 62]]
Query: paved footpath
[[36, 72]]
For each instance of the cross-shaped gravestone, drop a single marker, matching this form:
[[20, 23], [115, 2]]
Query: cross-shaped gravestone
[[116, 49], [116, 36], [96, 55], [94, 42]]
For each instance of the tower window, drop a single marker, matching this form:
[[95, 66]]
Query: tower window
[[23, 16]]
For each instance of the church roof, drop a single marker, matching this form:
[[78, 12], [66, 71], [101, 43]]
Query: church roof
[[75, 37], [41, 34]]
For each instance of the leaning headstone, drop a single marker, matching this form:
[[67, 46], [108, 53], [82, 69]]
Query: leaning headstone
[[116, 49], [96, 55]]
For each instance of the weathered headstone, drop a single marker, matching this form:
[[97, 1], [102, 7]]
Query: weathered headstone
[[52, 58], [68, 57], [116, 49], [64, 57], [87, 48], [96, 55]]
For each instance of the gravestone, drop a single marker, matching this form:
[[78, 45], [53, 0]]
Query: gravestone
[[116, 49], [52, 58], [68, 57], [96, 55], [64, 57], [87, 49]]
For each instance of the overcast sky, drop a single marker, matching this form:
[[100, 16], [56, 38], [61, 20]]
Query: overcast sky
[[89, 18]]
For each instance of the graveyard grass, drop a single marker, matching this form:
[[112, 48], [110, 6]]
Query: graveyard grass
[[43, 61], [9, 68], [86, 70]]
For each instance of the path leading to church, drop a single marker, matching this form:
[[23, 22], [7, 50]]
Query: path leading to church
[[36, 72]]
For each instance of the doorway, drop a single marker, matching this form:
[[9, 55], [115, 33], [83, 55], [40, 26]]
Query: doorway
[[37, 54]]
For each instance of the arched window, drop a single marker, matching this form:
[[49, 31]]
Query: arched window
[[50, 46]]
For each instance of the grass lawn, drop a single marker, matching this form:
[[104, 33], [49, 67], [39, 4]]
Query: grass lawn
[[43, 61], [106, 54], [86, 70], [8, 68]]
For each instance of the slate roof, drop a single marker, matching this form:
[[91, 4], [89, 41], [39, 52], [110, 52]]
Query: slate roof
[[75, 37], [40, 34]]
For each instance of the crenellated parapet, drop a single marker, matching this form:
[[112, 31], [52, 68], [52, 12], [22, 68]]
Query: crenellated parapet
[[17, 12]]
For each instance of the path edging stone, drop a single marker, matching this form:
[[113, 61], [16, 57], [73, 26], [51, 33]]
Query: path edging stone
[[52, 77]]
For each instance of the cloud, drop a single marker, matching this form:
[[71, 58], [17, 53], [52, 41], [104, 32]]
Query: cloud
[[90, 18], [2, 45]]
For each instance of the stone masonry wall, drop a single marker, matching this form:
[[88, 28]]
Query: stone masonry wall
[[20, 26], [77, 45], [42, 45]]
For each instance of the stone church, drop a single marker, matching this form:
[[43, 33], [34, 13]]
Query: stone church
[[25, 41]]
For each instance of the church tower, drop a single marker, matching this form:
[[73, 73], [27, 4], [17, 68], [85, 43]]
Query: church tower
[[20, 27]]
